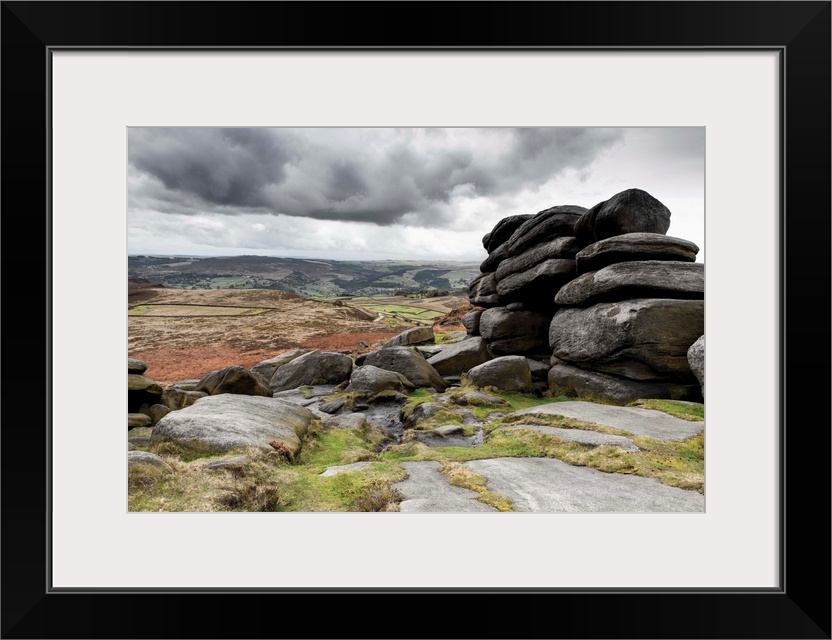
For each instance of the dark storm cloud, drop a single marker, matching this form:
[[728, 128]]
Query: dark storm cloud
[[370, 175]]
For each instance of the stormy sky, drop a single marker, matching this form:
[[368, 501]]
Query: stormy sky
[[378, 194]]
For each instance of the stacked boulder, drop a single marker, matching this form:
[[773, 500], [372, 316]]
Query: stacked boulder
[[529, 258], [615, 302], [143, 396]]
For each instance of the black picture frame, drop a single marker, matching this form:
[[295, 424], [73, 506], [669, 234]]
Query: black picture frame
[[799, 608]]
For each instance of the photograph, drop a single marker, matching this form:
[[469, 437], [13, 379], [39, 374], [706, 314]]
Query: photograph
[[449, 271], [416, 320]]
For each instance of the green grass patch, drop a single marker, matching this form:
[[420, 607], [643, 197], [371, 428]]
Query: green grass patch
[[690, 412]]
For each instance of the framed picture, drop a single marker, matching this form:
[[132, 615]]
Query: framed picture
[[755, 75]]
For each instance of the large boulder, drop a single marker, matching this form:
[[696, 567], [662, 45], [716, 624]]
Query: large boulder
[[408, 362], [471, 320], [565, 247], [547, 224], [696, 360], [370, 380], [461, 356], [568, 380], [266, 368], [234, 379], [412, 337], [641, 339], [630, 211], [315, 367], [631, 247], [229, 421], [542, 280], [502, 231], [627, 280], [507, 373], [515, 332]]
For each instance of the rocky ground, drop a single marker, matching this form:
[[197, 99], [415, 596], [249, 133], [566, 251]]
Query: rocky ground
[[381, 443]]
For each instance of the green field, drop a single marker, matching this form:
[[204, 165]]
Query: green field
[[405, 312]]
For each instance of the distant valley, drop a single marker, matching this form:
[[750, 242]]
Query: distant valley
[[313, 278]]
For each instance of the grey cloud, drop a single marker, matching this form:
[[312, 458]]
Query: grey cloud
[[371, 175]]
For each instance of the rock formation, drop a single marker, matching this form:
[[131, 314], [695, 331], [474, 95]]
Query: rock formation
[[601, 294]]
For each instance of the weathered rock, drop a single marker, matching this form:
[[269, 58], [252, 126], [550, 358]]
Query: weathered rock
[[553, 486], [138, 420], [421, 412], [584, 232], [411, 337], [631, 247], [482, 291], [426, 490], [453, 337], [138, 382], [266, 368], [228, 464], [315, 367], [542, 280], [408, 362], [508, 373], [229, 421], [641, 339], [186, 385], [494, 258], [515, 332], [461, 356], [136, 366], [545, 225], [157, 412], [147, 465], [559, 248], [370, 380], [539, 370], [471, 320], [431, 350], [503, 230], [635, 420], [175, 398], [628, 280], [567, 380], [630, 211], [346, 421], [592, 438], [333, 406], [234, 379], [696, 360], [478, 399]]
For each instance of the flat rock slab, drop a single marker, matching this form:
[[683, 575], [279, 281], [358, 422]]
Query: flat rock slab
[[436, 438], [426, 490], [344, 468], [551, 486], [642, 422], [581, 436]]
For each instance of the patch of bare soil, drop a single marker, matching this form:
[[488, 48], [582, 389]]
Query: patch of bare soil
[[176, 348]]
